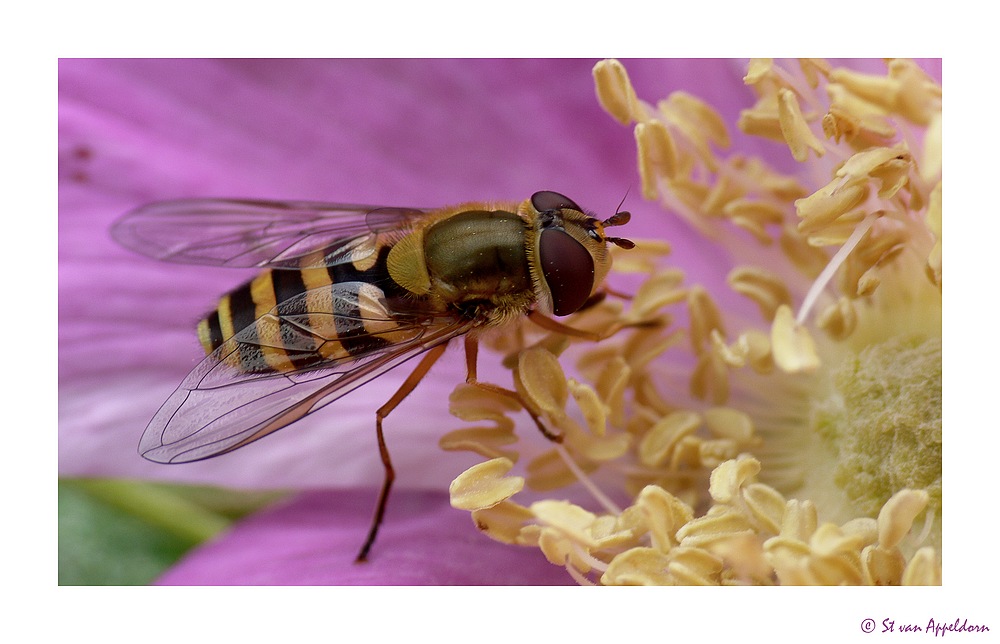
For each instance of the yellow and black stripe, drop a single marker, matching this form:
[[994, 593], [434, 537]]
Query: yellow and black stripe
[[277, 334]]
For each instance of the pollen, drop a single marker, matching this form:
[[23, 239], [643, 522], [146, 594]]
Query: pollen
[[767, 289], [784, 429], [795, 129], [540, 378], [793, 346], [615, 92], [484, 485], [660, 441], [657, 154]]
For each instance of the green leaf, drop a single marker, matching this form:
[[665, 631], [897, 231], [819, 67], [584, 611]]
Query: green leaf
[[116, 532]]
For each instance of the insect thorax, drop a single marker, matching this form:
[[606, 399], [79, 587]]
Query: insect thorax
[[473, 262]]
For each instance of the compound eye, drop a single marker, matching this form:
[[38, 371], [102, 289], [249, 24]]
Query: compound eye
[[546, 200], [568, 269]]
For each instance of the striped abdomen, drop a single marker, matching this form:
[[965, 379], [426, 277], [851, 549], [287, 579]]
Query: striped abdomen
[[287, 319]]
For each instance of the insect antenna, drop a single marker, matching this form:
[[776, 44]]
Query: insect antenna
[[620, 218], [621, 242]]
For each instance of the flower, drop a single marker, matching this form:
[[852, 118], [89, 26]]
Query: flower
[[396, 132], [690, 471], [796, 444]]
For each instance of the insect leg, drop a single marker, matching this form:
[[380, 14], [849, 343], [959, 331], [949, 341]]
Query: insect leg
[[549, 324], [602, 295], [616, 293], [471, 354], [594, 300], [405, 389], [471, 359]]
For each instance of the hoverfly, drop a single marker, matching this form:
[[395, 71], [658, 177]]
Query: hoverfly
[[350, 292]]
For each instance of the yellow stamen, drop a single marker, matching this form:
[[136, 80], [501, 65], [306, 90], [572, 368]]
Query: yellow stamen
[[763, 287], [705, 317], [924, 569], [656, 147], [757, 70], [847, 427], [615, 93], [794, 128], [664, 514], [824, 206], [659, 442], [503, 521], [639, 567], [794, 349], [933, 220], [896, 517], [725, 422], [813, 68], [540, 378], [485, 485], [839, 320], [836, 261]]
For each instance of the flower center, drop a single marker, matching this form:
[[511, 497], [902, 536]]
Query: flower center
[[882, 420]]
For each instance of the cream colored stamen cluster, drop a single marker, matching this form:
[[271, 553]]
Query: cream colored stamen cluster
[[838, 272], [877, 183], [750, 535], [665, 457]]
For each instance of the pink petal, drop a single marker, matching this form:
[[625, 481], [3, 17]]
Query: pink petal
[[313, 540], [407, 132], [410, 132]]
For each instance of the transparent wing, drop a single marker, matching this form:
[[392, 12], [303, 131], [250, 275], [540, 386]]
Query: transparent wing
[[250, 233], [220, 407]]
